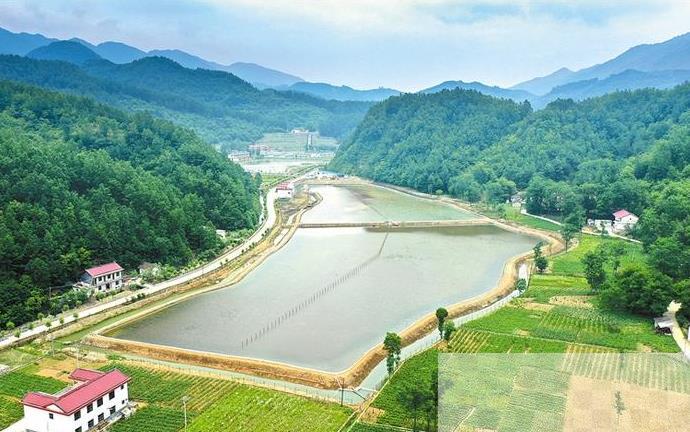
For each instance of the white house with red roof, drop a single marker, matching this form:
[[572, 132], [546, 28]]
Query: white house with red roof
[[624, 221], [285, 190], [95, 397], [104, 277]]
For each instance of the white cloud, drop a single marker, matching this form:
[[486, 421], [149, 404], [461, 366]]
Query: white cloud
[[407, 44]]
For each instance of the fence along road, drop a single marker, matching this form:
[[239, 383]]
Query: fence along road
[[268, 222]]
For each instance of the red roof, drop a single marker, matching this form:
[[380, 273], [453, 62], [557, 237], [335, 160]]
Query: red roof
[[621, 214], [92, 385], [104, 269], [284, 186]]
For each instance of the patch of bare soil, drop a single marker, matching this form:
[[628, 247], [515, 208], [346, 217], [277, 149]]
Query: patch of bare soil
[[537, 306], [61, 368], [598, 405], [572, 301], [371, 415]]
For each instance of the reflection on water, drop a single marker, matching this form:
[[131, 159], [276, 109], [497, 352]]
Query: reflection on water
[[330, 294], [367, 203]]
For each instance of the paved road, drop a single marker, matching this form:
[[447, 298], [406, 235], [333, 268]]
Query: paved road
[[676, 331], [230, 255]]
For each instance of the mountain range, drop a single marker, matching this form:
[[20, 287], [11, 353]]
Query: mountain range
[[224, 109], [660, 65], [118, 52], [670, 55]]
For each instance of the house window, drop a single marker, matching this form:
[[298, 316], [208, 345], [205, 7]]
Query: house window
[[89, 408], [122, 387], [100, 417], [77, 415], [50, 416], [78, 429], [100, 402], [111, 395], [112, 410], [91, 423]]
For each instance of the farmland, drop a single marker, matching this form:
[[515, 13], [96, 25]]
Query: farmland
[[256, 409], [557, 314], [14, 385], [219, 404]]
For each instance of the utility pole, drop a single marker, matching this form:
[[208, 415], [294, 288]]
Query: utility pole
[[185, 399]]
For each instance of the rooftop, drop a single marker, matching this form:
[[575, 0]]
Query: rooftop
[[622, 213], [104, 269], [90, 386]]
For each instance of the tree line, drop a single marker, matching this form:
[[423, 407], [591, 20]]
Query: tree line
[[571, 160], [83, 184]]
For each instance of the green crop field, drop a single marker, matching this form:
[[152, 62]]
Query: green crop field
[[13, 387], [256, 409], [152, 418], [217, 404], [10, 411], [558, 313]]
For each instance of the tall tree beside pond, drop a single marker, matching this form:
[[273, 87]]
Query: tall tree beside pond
[[393, 345]]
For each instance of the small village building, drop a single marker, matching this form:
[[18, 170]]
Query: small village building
[[516, 200], [96, 397], [663, 324], [624, 221], [239, 156], [285, 190], [104, 277]]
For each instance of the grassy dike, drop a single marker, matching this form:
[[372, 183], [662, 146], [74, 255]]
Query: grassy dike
[[558, 313]]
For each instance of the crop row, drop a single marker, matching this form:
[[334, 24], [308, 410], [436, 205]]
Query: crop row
[[257, 409], [17, 384], [152, 419]]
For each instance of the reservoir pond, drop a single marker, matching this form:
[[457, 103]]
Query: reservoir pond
[[330, 294]]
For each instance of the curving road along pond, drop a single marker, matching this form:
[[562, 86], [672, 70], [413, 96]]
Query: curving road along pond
[[331, 294]]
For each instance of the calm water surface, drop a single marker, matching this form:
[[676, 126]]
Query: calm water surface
[[366, 203], [331, 294]]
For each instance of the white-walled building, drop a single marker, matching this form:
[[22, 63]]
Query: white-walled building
[[95, 397], [285, 190], [103, 278], [623, 221]]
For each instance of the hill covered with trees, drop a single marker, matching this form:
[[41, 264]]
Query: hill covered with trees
[[221, 108], [572, 159], [82, 184], [422, 141]]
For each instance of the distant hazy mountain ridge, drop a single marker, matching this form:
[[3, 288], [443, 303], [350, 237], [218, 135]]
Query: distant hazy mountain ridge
[[671, 55], [516, 95]]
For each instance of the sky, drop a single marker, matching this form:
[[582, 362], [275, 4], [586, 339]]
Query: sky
[[404, 44]]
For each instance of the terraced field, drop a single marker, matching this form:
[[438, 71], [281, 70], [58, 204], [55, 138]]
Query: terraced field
[[557, 314]]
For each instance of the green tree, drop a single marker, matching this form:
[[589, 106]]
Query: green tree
[[540, 260], [448, 330], [568, 232], [393, 345], [595, 272], [441, 315], [414, 398]]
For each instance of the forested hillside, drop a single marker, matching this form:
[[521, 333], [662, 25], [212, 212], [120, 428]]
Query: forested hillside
[[574, 160], [422, 141], [221, 108], [82, 184]]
